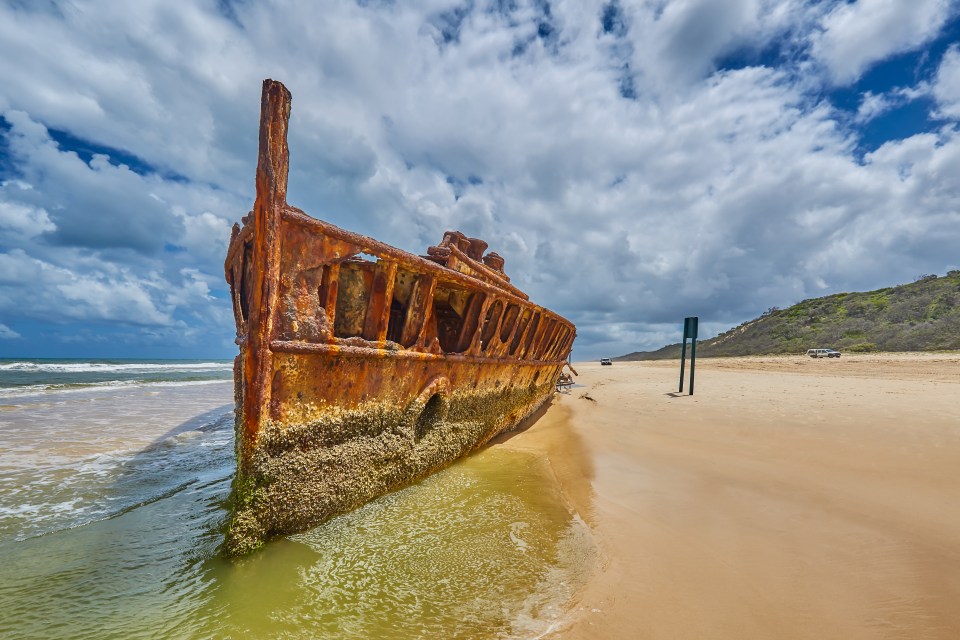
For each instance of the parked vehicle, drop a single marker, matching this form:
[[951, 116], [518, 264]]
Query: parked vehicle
[[823, 353], [606, 361]]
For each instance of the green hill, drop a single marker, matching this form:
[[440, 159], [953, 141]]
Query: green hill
[[921, 316]]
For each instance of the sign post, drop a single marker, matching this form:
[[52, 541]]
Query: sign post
[[690, 326]]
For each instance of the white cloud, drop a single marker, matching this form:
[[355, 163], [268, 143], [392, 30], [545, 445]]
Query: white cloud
[[857, 34], [90, 238], [40, 290], [204, 234], [677, 43], [946, 87], [24, 220], [6, 333], [82, 69], [873, 105], [717, 193]]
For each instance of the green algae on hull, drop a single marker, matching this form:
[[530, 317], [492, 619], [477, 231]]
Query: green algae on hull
[[301, 475]]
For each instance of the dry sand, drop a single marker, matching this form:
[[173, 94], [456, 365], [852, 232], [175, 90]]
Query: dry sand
[[788, 498]]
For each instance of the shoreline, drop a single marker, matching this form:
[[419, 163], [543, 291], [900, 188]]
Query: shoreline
[[789, 497]]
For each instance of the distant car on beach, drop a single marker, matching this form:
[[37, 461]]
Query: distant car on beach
[[606, 361], [823, 353]]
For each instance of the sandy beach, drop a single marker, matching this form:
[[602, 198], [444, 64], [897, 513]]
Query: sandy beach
[[788, 498]]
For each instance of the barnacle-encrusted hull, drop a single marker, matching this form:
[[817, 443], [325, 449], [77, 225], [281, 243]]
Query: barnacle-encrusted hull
[[313, 463], [363, 368]]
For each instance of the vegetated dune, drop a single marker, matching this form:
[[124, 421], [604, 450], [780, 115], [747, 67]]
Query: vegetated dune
[[921, 316]]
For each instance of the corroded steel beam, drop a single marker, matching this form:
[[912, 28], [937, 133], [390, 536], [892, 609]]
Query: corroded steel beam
[[272, 167]]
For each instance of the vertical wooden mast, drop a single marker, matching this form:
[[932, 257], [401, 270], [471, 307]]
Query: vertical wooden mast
[[272, 167]]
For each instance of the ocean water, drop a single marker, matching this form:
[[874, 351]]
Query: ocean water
[[113, 482], [19, 377]]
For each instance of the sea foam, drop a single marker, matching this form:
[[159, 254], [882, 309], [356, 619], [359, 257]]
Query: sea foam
[[105, 367]]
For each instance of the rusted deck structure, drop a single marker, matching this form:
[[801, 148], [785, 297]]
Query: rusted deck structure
[[362, 367]]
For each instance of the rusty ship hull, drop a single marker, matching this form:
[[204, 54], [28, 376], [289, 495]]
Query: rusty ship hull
[[363, 368]]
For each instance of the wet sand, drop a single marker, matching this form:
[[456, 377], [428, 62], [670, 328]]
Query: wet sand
[[788, 498]]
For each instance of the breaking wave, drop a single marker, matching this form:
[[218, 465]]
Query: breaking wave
[[23, 376], [58, 493], [34, 389], [105, 367]]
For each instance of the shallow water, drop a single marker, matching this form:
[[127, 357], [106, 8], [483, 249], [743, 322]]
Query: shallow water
[[111, 509]]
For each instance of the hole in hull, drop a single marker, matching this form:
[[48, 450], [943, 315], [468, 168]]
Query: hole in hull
[[431, 417]]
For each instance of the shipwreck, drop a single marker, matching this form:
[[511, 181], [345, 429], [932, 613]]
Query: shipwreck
[[362, 367]]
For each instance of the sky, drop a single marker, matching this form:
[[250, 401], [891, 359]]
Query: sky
[[635, 162]]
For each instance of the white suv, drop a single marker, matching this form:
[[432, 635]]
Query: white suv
[[823, 353]]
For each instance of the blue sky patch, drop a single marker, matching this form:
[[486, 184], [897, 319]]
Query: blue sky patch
[[86, 150]]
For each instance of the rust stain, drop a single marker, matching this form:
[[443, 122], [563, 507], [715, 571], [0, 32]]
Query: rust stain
[[363, 367]]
